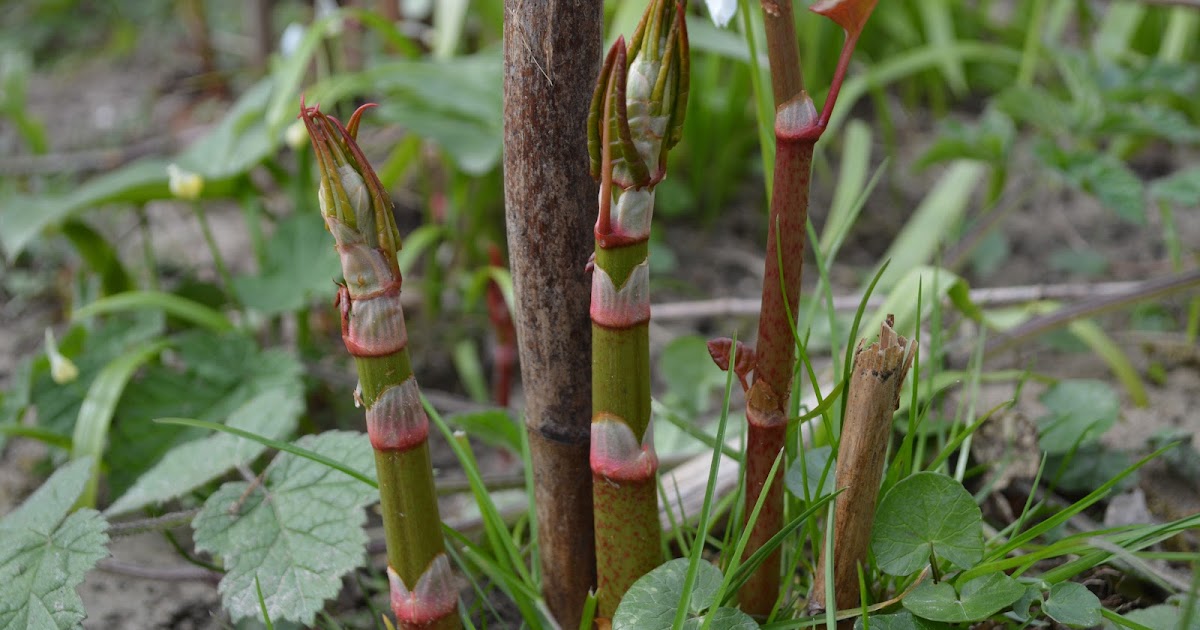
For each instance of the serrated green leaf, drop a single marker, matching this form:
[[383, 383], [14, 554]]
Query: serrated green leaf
[[1147, 119], [988, 141], [1072, 604], [980, 598], [926, 512], [1080, 412], [273, 413], [300, 263], [798, 477], [207, 377], [45, 551], [902, 620], [652, 600], [1035, 106], [1117, 187], [1181, 187], [1100, 174], [297, 533]]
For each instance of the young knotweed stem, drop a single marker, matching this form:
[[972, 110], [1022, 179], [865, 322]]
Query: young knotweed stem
[[797, 129], [636, 117], [358, 213]]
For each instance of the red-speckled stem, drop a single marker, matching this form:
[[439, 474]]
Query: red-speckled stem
[[775, 351]]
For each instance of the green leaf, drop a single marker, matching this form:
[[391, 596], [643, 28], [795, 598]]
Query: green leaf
[[652, 600], [926, 512], [273, 413], [96, 412], [1116, 186], [1072, 604], [495, 427], [24, 217], [297, 533], [1181, 187], [1149, 120], [45, 551], [100, 256], [723, 618], [1020, 608], [934, 221], [935, 284], [1036, 106], [1089, 467], [300, 263], [902, 620], [798, 477], [988, 141], [204, 376], [91, 350], [991, 253], [1100, 174], [1080, 412], [980, 598], [239, 142], [1160, 616], [456, 103], [188, 310], [689, 373], [1084, 262]]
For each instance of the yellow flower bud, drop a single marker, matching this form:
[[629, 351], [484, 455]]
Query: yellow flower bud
[[296, 136], [62, 369], [184, 184]]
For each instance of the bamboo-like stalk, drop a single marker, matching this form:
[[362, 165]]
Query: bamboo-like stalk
[[636, 117], [552, 51], [797, 129], [874, 394], [359, 214]]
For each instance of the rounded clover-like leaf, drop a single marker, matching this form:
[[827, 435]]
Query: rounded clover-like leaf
[[652, 600], [926, 513], [902, 620], [1073, 605], [979, 598]]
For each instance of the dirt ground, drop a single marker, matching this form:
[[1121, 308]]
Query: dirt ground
[[105, 103]]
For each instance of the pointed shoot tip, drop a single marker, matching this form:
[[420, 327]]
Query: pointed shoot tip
[[851, 15]]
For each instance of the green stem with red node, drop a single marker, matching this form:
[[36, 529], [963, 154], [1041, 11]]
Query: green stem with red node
[[359, 214], [773, 360], [636, 117]]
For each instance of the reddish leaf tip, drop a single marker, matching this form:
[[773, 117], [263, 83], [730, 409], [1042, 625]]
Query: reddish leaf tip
[[849, 14]]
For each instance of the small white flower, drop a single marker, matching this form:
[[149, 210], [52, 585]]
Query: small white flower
[[62, 369], [296, 135], [721, 11], [293, 34], [326, 8], [184, 184]]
